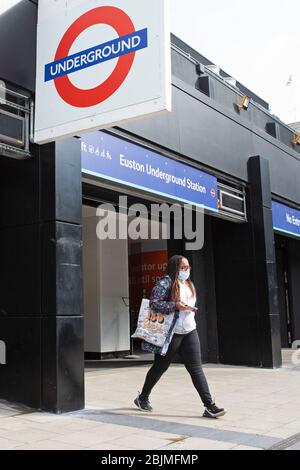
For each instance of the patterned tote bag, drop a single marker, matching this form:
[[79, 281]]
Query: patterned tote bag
[[152, 326]]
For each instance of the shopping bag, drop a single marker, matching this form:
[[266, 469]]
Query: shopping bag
[[152, 326]]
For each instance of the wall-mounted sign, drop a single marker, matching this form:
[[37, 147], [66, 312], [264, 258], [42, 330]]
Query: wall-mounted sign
[[117, 160], [100, 63], [286, 219]]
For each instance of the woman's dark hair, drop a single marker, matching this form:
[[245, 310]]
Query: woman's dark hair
[[173, 266], [173, 269]]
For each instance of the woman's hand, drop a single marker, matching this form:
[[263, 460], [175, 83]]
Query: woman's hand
[[182, 306]]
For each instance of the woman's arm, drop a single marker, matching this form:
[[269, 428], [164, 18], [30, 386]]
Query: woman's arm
[[160, 297]]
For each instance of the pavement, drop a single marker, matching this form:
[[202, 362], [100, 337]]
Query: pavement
[[263, 413]]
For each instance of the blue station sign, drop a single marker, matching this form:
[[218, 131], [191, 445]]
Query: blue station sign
[[117, 160], [286, 219]]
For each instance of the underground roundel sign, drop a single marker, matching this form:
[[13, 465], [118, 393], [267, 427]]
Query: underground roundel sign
[[100, 64]]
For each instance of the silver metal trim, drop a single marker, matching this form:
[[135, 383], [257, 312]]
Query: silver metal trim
[[229, 209], [13, 93], [231, 188], [14, 152], [11, 140], [12, 147], [31, 133]]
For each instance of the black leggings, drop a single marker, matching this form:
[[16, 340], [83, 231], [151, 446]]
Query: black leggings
[[188, 346]]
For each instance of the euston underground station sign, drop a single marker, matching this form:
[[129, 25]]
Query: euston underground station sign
[[286, 219], [119, 161], [100, 64]]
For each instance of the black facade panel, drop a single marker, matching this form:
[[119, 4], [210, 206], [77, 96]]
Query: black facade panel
[[204, 85], [61, 183], [262, 223], [63, 364], [184, 69], [163, 129], [294, 277], [262, 192], [62, 269], [203, 60], [235, 276], [41, 279], [195, 130], [20, 378], [18, 45], [284, 169], [210, 295], [202, 130], [273, 326], [19, 193], [20, 281], [203, 275], [260, 217]]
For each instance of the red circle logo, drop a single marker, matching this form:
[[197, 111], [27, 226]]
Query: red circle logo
[[122, 24], [213, 192]]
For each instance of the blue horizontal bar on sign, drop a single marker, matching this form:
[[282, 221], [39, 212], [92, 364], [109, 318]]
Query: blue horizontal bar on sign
[[286, 219], [120, 161], [96, 55]]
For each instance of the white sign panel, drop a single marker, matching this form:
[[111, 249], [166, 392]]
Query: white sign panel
[[100, 63]]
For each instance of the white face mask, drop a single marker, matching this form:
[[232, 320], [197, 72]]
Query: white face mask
[[184, 275]]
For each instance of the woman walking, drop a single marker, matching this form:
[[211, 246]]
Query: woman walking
[[176, 293]]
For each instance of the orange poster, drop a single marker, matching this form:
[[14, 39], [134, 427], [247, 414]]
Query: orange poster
[[144, 270]]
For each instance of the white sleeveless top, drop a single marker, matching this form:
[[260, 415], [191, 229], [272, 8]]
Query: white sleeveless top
[[186, 321]]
